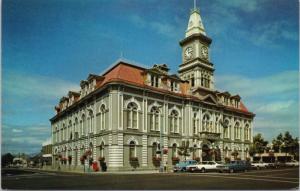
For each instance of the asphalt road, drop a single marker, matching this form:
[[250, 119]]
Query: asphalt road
[[285, 178]]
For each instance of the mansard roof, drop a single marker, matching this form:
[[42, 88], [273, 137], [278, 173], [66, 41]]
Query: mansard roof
[[125, 72]]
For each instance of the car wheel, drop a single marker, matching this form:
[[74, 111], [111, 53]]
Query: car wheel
[[231, 170], [183, 169], [203, 170]]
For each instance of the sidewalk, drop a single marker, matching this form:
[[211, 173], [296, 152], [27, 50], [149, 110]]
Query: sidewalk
[[94, 173]]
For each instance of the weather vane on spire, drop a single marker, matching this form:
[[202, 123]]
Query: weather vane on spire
[[195, 7]]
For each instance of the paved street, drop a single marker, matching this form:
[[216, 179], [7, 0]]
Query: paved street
[[285, 178]]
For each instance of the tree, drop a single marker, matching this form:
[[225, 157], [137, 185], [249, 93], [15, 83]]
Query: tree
[[184, 149], [259, 145], [7, 159], [286, 143], [277, 143]]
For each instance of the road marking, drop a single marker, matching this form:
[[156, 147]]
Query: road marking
[[267, 176], [261, 171], [241, 178]]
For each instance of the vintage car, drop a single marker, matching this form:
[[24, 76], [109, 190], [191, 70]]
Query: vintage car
[[259, 165], [292, 163], [203, 166], [234, 166], [181, 166]]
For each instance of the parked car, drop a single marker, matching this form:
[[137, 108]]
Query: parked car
[[292, 163], [272, 165], [259, 165], [181, 166], [203, 166], [234, 166]]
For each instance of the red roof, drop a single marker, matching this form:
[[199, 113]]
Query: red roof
[[125, 72], [132, 74]]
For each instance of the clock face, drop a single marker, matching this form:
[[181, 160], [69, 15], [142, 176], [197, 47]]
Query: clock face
[[204, 52], [188, 53]]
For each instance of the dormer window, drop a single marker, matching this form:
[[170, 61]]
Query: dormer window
[[174, 86], [226, 100], [154, 81]]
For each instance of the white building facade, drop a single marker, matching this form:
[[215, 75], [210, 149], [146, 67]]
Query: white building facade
[[118, 116]]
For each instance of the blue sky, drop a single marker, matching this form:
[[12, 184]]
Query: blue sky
[[49, 46]]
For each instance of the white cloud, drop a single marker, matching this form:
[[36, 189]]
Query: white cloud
[[159, 27], [244, 5], [17, 130], [271, 33], [274, 107], [274, 100], [24, 138], [25, 85], [284, 82]]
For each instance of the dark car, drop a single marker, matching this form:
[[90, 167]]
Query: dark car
[[234, 166]]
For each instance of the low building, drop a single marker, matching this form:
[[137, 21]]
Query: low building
[[47, 152]]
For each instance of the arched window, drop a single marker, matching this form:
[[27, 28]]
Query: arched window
[[76, 134], [83, 127], [70, 135], [194, 150], [195, 123], [206, 123], [154, 119], [246, 132], [226, 129], [236, 130], [174, 150], [63, 130], [132, 150], [226, 151], [102, 117], [174, 122], [132, 114], [102, 149], [155, 148], [91, 122]]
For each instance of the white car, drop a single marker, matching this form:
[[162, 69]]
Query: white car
[[203, 166], [292, 163], [259, 165]]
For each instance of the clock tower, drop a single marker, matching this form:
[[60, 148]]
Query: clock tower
[[196, 66]]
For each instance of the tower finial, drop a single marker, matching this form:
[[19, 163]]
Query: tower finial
[[195, 5]]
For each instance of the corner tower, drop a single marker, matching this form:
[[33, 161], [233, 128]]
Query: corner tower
[[196, 66]]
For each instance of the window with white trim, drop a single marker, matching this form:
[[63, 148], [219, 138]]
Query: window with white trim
[[132, 149], [174, 122], [195, 122], [154, 119], [226, 129], [102, 117], [174, 150], [132, 115], [154, 80]]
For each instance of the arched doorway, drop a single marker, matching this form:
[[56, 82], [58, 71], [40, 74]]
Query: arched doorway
[[206, 154]]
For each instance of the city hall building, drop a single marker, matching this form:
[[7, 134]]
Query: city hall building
[[123, 116]]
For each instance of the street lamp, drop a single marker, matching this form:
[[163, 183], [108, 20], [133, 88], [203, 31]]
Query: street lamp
[[161, 166]]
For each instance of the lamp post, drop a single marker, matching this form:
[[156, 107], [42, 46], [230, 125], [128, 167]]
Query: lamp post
[[161, 166]]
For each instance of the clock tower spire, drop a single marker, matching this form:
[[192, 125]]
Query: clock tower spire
[[195, 25], [196, 66]]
